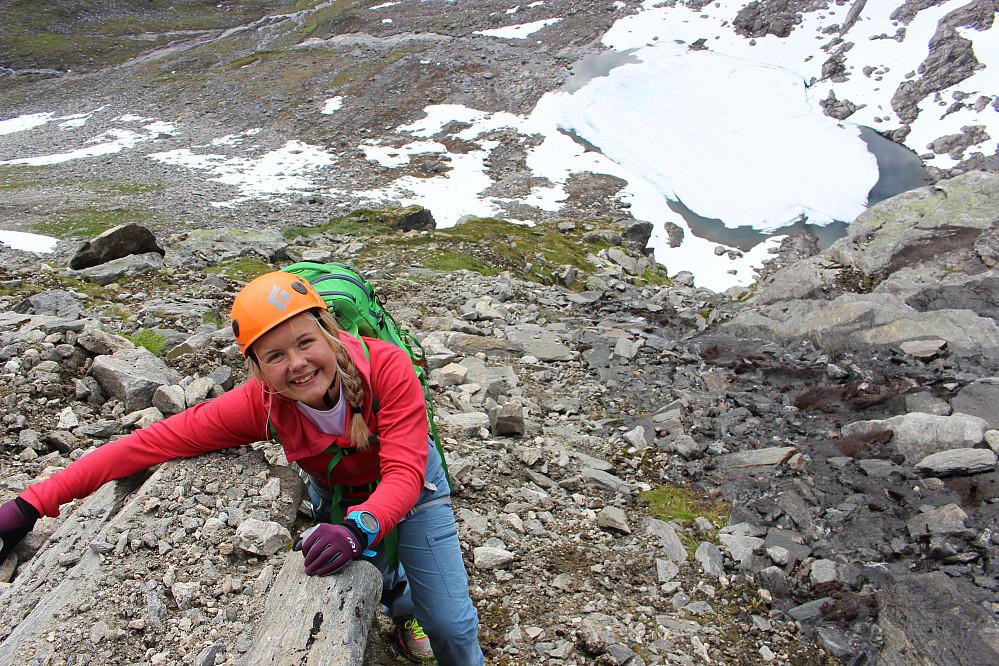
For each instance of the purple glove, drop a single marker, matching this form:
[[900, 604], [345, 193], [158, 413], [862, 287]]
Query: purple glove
[[328, 548], [17, 517]]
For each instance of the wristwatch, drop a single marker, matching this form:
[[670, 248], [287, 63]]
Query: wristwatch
[[368, 524]]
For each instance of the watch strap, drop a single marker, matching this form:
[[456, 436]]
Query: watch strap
[[355, 521]]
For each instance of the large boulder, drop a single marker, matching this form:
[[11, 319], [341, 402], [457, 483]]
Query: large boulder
[[918, 435], [133, 376], [415, 218], [115, 243], [920, 225], [868, 320]]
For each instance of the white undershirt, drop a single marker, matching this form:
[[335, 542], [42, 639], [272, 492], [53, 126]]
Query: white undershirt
[[330, 421]]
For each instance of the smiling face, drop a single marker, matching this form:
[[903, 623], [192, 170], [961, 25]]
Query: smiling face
[[296, 361]]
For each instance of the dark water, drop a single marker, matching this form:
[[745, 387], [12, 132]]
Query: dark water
[[596, 64], [899, 169], [746, 238]]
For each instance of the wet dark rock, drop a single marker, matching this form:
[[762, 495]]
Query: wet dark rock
[[932, 619], [415, 218], [839, 109], [639, 233], [979, 398], [675, 234], [951, 58]]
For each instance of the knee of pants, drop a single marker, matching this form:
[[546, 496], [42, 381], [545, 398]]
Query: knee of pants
[[454, 628]]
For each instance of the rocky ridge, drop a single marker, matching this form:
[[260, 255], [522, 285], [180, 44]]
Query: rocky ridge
[[639, 476]]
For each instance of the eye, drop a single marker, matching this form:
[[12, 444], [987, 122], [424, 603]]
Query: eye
[[272, 357], [306, 342]]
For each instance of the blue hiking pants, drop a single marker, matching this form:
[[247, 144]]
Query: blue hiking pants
[[430, 582]]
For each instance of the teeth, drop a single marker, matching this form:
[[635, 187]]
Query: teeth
[[304, 379]]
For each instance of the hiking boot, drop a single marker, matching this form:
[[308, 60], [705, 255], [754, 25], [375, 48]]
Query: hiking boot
[[414, 642]]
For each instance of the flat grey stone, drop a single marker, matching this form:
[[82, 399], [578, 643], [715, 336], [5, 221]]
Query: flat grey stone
[[926, 402], [958, 462], [918, 435], [262, 537], [669, 543], [979, 398], [924, 349], [614, 518], [710, 558], [823, 571], [740, 548], [488, 557], [878, 468], [774, 455], [946, 520]]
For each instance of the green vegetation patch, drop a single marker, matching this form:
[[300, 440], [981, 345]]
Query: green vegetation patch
[[88, 221], [91, 34], [243, 268], [151, 340], [685, 503], [212, 318], [539, 253], [19, 177], [106, 186]]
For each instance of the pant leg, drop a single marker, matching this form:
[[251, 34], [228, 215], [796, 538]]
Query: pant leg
[[430, 551], [431, 554]]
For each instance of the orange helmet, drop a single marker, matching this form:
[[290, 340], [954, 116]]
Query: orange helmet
[[267, 301]]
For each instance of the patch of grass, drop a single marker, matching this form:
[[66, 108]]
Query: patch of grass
[[127, 188], [685, 503], [656, 277], [151, 340], [88, 221], [243, 268], [449, 262], [211, 318], [19, 177], [250, 59], [489, 246], [89, 34], [359, 222]]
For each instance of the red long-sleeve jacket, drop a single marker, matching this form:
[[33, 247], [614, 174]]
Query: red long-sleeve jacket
[[240, 416]]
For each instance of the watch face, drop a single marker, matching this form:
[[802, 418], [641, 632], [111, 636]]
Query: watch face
[[367, 521]]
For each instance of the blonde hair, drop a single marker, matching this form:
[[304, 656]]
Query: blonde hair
[[351, 381]]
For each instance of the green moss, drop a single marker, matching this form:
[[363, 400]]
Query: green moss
[[244, 268], [449, 262], [684, 504], [211, 318], [250, 59], [488, 246], [151, 340]]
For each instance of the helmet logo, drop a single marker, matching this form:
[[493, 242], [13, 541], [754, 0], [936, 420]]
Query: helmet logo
[[279, 298]]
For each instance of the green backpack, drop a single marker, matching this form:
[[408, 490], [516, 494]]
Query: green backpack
[[352, 300]]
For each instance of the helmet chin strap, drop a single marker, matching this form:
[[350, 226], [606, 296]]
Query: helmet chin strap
[[327, 400]]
